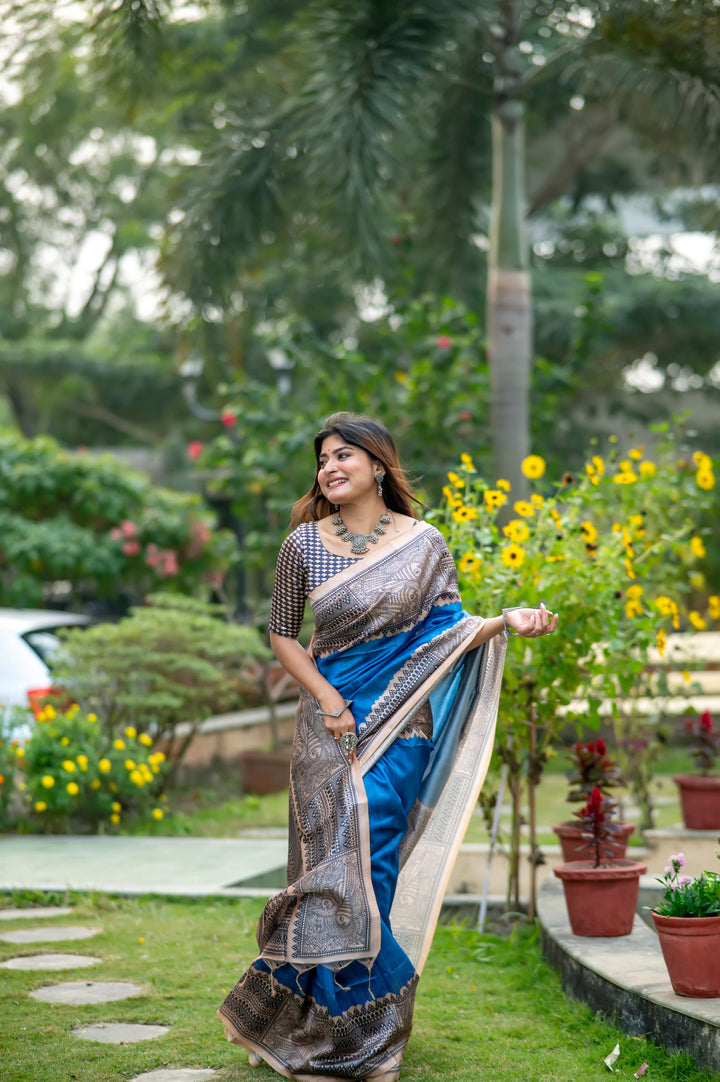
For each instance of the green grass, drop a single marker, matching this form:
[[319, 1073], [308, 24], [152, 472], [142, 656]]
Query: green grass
[[489, 1008]]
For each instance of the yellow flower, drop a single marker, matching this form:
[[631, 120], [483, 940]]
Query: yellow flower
[[160, 756], [686, 676], [73, 788], [105, 766], [68, 766], [130, 733], [512, 555], [115, 818], [465, 514], [665, 605], [466, 562], [501, 483], [697, 620], [536, 499], [661, 641], [598, 464], [634, 592], [95, 783], [136, 778], [637, 520], [705, 479], [636, 452], [157, 813], [129, 764], [467, 461], [47, 781], [119, 744], [592, 473], [632, 609], [702, 461], [556, 519], [517, 530], [452, 498], [145, 771], [64, 740], [697, 547], [82, 761], [146, 740], [455, 480], [629, 570], [50, 712], [647, 469], [116, 807], [19, 752], [523, 508], [92, 717], [494, 498], [588, 532], [625, 477], [616, 527], [40, 806], [714, 607], [533, 466]]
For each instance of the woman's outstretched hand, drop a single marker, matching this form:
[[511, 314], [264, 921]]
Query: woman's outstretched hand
[[532, 622]]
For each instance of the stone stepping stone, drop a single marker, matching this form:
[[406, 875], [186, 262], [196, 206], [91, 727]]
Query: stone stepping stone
[[50, 961], [119, 1032], [80, 992], [179, 1074], [35, 911], [49, 935]]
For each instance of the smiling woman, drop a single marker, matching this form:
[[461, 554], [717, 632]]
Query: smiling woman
[[393, 736]]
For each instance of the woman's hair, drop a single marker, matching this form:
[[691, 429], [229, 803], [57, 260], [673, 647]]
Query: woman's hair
[[373, 438]]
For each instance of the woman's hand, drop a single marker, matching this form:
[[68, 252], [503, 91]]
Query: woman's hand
[[532, 622], [341, 728]]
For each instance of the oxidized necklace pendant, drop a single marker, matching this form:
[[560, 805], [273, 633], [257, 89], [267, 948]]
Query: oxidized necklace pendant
[[359, 541]]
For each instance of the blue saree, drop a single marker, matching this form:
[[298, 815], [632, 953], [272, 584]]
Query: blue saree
[[371, 844]]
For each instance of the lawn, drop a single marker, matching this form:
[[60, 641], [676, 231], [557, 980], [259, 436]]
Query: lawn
[[489, 1008]]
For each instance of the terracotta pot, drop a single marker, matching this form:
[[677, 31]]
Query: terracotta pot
[[700, 800], [263, 772], [574, 847], [691, 949], [601, 901]]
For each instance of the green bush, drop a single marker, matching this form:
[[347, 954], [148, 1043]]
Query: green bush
[[92, 522], [77, 778], [175, 660]]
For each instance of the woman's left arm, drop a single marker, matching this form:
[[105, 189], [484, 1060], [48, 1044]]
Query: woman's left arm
[[529, 623]]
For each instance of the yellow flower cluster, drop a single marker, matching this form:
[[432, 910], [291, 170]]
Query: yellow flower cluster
[[704, 478]]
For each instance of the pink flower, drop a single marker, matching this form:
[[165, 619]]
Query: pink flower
[[228, 418], [128, 528], [170, 564], [194, 450], [131, 548], [443, 342], [200, 534], [465, 415], [706, 722]]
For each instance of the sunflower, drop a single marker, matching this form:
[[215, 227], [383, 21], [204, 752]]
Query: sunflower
[[705, 479], [697, 546], [494, 498], [517, 530], [632, 609], [647, 469], [465, 514], [588, 532], [524, 509], [634, 592], [661, 641], [512, 555], [533, 466], [501, 483], [697, 621]]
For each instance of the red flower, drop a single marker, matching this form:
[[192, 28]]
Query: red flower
[[600, 746], [706, 722], [228, 418], [131, 548], [194, 450], [465, 415], [443, 342]]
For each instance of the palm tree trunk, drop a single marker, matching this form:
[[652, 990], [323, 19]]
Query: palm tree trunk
[[509, 320]]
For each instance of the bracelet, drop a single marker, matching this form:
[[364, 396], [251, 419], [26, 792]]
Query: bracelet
[[508, 630], [327, 714]]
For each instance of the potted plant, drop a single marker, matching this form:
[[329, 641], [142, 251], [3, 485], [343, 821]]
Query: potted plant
[[700, 793], [590, 768], [688, 925], [600, 893]]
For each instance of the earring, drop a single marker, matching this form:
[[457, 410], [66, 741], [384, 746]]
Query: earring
[[379, 477]]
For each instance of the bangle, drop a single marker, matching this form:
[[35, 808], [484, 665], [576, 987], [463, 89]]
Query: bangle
[[328, 714], [508, 630]]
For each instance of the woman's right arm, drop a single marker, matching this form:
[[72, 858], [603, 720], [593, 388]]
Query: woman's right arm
[[296, 661]]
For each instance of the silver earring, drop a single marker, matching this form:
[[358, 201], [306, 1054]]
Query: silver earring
[[379, 477]]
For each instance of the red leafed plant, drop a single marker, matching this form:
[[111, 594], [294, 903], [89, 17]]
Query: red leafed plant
[[591, 767], [596, 821], [704, 741]]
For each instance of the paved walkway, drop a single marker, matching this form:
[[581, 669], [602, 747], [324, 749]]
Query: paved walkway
[[128, 865]]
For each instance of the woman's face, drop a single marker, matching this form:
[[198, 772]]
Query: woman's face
[[345, 472]]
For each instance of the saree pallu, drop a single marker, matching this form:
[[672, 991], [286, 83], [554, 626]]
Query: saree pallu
[[372, 843]]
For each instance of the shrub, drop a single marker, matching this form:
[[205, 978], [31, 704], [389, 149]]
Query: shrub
[[175, 660], [77, 778]]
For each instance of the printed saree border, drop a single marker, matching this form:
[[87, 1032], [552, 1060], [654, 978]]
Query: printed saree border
[[374, 557]]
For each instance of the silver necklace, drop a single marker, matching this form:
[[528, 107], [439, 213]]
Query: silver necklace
[[359, 541]]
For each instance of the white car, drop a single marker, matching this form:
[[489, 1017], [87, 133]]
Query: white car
[[28, 641]]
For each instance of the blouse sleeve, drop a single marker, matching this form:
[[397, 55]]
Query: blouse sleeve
[[288, 600]]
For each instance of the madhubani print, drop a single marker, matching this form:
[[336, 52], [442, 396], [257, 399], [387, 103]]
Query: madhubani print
[[421, 724], [392, 595], [305, 1038], [327, 914]]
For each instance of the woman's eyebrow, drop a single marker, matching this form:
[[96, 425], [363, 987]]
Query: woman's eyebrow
[[336, 451]]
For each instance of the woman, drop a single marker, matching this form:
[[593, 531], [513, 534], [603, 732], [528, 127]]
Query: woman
[[394, 732]]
